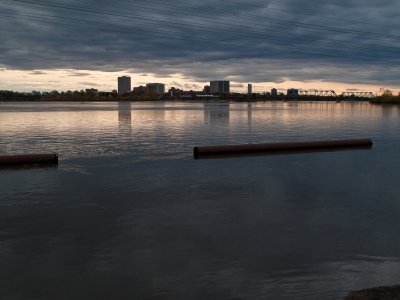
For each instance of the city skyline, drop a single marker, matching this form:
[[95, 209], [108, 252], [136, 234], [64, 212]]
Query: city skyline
[[72, 45], [71, 80]]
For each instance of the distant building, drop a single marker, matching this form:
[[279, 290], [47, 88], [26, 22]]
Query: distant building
[[124, 85], [249, 89], [219, 86], [140, 90], [292, 93], [206, 89], [156, 88], [174, 92], [91, 91], [274, 92]]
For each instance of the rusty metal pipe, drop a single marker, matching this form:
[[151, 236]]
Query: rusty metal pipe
[[280, 148], [30, 159]]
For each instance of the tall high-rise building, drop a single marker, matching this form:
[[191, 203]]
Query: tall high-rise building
[[219, 86], [274, 92], [156, 88], [124, 85], [249, 89]]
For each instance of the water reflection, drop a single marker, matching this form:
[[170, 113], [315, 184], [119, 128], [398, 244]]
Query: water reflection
[[389, 111], [249, 117], [216, 115], [125, 117], [28, 167], [148, 116], [136, 217]]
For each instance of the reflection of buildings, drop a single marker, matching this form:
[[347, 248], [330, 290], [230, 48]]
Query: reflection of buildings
[[149, 116], [216, 114], [125, 117], [219, 86], [124, 85], [249, 117]]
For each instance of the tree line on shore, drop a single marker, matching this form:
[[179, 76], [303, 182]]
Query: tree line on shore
[[386, 97], [82, 95]]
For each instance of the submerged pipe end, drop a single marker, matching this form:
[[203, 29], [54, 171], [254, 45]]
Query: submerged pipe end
[[196, 152], [28, 159]]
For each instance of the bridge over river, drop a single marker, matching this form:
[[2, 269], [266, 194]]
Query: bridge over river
[[314, 94], [332, 93]]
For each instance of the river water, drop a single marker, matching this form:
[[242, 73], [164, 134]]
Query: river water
[[129, 214]]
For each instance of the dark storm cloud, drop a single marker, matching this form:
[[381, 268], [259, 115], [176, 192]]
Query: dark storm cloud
[[351, 41], [38, 73], [79, 74], [87, 83]]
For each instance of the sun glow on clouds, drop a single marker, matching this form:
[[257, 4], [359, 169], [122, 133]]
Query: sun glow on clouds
[[71, 79], [338, 87]]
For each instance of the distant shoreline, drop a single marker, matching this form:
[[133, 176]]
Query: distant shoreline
[[393, 100], [193, 100]]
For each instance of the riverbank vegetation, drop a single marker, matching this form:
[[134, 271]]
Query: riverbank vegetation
[[387, 97], [82, 95]]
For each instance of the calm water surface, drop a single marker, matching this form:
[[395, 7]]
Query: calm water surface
[[129, 214]]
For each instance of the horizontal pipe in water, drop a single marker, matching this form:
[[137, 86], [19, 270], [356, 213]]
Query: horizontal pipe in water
[[29, 159], [280, 148]]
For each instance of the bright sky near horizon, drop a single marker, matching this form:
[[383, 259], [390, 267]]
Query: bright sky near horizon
[[344, 45], [63, 80]]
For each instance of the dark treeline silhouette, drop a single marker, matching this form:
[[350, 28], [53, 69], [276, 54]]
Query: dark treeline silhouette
[[387, 97], [82, 95]]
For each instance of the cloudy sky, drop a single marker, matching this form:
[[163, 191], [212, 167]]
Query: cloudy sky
[[75, 44]]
